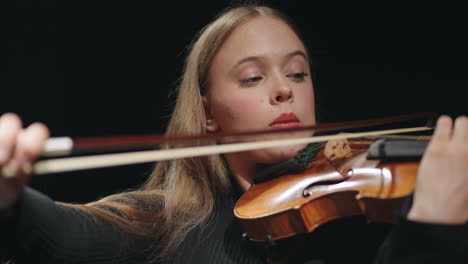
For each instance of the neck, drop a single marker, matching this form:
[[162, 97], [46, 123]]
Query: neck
[[242, 171]]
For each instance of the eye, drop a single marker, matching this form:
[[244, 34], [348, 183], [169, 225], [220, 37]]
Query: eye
[[300, 76], [250, 81]]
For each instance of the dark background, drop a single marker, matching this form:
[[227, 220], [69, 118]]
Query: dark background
[[95, 68]]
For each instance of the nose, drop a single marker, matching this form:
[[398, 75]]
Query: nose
[[282, 92]]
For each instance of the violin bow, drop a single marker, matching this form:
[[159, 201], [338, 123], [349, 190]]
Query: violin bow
[[62, 146]]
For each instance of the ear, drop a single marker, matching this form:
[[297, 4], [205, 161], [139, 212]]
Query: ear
[[211, 124]]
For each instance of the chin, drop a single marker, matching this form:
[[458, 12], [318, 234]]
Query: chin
[[277, 154]]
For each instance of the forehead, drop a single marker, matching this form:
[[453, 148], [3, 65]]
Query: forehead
[[259, 36]]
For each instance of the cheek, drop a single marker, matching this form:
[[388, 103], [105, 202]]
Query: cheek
[[306, 102], [239, 111]]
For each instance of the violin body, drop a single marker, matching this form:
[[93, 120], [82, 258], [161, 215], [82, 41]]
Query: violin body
[[338, 183]]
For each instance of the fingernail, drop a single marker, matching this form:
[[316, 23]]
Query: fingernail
[[3, 155], [16, 167], [9, 171]]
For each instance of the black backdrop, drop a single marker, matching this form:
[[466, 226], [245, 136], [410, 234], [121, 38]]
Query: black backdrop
[[90, 68]]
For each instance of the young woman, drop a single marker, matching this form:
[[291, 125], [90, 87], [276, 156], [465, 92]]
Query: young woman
[[247, 70]]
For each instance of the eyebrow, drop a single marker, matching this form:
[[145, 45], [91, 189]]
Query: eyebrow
[[288, 56]]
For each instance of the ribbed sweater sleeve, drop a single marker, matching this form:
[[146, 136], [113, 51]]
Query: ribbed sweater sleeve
[[44, 231], [412, 242], [417, 242]]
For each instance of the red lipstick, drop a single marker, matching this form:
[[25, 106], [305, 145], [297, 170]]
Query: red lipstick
[[285, 120]]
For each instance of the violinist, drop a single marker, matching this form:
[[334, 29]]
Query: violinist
[[247, 70]]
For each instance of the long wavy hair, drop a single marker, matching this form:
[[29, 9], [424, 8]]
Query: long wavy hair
[[181, 194]]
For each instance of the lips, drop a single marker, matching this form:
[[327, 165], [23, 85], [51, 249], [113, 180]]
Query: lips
[[286, 120]]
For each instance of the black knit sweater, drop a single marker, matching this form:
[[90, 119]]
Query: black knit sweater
[[42, 231]]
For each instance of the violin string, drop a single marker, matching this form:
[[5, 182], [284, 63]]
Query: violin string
[[118, 159]]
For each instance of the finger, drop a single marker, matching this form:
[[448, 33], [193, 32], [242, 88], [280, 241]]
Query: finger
[[29, 146], [10, 126], [460, 130], [443, 131], [31, 141]]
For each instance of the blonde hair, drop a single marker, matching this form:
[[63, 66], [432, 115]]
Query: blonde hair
[[180, 194]]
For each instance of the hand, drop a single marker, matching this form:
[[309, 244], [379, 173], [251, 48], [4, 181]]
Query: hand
[[441, 193], [18, 148]]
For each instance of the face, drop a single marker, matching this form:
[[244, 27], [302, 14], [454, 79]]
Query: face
[[260, 80]]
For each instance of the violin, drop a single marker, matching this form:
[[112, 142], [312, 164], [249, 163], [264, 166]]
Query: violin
[[358, 176]]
